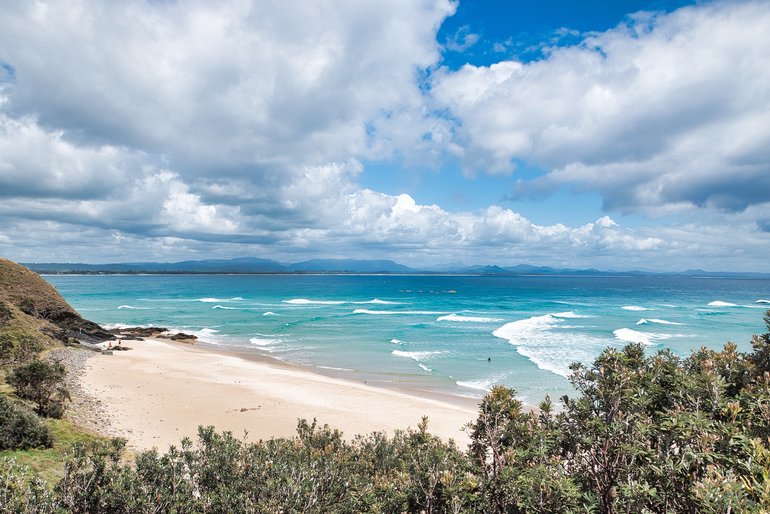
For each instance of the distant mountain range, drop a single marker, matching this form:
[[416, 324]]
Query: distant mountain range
[[256, 265]]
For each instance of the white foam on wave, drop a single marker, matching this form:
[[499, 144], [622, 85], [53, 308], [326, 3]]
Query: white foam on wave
[[634, 308], [206, 335], [223, 307], [629, 335], [415, 356], [268, 313], [569, 315], [121, 326], [377, 301], [131, 307], [391, 313], [719, 303], [644, 321], [396, 341], [211, 300], [333, 368], [424, 367], [481, 384], [305, 301], [544, 341], [264, 341], [467, 319], [763, 301]]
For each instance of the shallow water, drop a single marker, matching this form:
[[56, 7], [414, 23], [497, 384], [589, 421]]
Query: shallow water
[[452, 334]]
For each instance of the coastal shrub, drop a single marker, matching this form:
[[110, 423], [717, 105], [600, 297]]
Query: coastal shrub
[[42, 383], [517, 457], [22, 493], [16, 346], [95, 481], [21, 429]]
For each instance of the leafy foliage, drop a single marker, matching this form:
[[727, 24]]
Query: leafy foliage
[[644, 433], [42, 382], [21, 429]]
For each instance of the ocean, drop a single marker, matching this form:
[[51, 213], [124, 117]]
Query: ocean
[[455, 335]]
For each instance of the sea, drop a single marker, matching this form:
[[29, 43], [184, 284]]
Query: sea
[[456, 335]]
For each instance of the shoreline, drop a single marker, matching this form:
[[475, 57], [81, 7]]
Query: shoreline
[[371, 380], [161, 391]]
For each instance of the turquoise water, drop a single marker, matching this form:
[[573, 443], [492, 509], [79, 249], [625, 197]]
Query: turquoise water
[[453, 334]]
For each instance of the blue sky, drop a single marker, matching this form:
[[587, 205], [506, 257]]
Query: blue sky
[[615, 135]]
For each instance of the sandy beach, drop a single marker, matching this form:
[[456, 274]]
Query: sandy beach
[[159, 392]]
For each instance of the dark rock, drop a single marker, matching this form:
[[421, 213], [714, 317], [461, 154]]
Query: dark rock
[[133, 332], [181, 336]]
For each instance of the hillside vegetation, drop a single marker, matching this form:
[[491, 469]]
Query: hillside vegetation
[[34, 318]]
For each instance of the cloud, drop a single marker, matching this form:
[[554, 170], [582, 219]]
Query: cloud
[[39, 162], [187, 119], [236, 88], [667, 112], [164, 130], [461, 40]]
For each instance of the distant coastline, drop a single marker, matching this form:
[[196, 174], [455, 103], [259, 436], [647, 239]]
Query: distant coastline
[[256, 266]]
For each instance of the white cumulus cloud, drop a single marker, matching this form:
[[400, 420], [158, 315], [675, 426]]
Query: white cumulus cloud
[[668, 112]]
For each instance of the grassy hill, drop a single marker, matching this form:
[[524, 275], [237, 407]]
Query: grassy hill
[[34, 316]]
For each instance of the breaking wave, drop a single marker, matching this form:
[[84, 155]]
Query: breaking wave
[[416, 356], [719, 303], [305, 301], [628, 335], [391, 313], [264, 341], [657, 321], [481, 384], [545, 341], [467, 319]]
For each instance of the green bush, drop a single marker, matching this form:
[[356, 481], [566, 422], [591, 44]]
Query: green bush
[[21, 494], [41, 382], [21, 429], [17, 346]]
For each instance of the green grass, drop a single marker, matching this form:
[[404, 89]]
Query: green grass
[[48, 463]]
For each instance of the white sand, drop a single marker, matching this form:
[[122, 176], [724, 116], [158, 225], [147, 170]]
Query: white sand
[[158, 392]]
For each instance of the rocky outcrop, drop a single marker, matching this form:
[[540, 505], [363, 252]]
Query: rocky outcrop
[[139, 333], [181, 336]]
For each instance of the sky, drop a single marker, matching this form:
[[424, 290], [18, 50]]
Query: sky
[[614, 135]]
